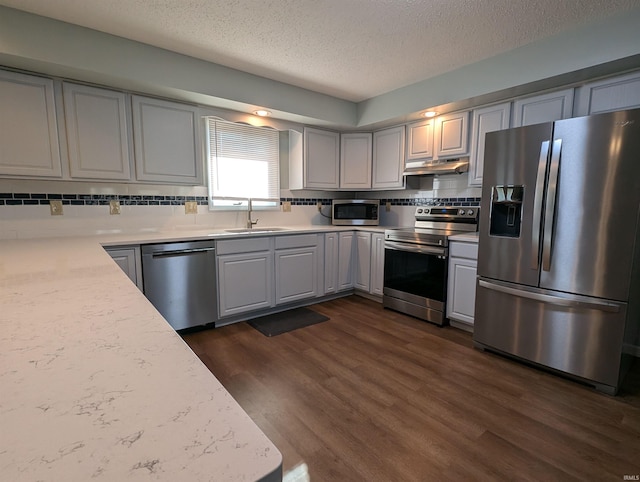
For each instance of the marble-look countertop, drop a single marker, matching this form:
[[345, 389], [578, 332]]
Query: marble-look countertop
[[112, 238], [96, 385]]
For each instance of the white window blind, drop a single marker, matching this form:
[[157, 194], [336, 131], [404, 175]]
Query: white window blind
[[243, 163]]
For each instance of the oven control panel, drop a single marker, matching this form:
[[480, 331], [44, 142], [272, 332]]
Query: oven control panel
[[449, 213]]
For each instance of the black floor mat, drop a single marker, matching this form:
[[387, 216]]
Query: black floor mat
[[278, 323]]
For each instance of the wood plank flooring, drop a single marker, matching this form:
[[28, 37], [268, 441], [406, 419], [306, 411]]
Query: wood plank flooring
[[374, 395]]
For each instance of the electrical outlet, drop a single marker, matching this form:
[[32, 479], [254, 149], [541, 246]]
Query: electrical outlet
[[387, 207], [56, 208], [114, 207], [190, 207], [319, 206], [286, 207]]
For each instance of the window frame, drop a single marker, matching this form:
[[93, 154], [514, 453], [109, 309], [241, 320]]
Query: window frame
[[239, 203]]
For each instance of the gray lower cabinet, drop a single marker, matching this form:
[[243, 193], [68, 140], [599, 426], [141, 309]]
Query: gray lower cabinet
[[129, 260], [298, 267], [245, 275], [331, 262], [461, 290], [346, 250], [369, 262], [377, 264], [362, 279], [338, 261], [260, 273]]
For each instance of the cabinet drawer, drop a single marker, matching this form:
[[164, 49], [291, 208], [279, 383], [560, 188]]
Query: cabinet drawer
[[297, 241], [463, 250], [233, 246]]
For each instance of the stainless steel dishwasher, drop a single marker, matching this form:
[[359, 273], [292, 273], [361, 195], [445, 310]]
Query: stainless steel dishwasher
[[180, 281]]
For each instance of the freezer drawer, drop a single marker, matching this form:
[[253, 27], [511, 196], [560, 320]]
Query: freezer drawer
[[580, 336]]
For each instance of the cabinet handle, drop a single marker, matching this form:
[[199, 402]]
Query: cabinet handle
[[180, 252]]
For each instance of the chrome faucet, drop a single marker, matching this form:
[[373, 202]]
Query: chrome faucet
[[250, 223]]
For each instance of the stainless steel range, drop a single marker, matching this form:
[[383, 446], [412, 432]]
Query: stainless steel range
[[415, 264]]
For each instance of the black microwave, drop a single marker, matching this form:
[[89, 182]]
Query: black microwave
[[355, 212]]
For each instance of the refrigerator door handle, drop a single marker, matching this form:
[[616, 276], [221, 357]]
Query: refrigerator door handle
[[550, 299], [554, 169], [537, 205]]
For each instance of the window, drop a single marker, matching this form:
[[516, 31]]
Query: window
[[243, 163]]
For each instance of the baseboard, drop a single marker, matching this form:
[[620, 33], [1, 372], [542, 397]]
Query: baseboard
[[369, 296]]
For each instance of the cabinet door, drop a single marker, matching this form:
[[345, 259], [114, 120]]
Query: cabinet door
[[296, 274], [331, 260], [388, 158], [167, 141], [321, 159], [617, 93], [461, 290], [28, 128], [355, 161], [362, 279], [129, 261], [420, 137], [245, 282], [97, 132], [452, 135], [377, 264], [346, 245], [543, 108], [487, 119]]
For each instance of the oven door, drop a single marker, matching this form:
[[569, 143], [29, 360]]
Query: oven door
[[415, 280]]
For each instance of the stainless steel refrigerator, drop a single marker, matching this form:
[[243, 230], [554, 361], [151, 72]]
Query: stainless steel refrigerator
[[559, 251]]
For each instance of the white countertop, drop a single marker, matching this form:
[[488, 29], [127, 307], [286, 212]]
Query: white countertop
[[95, 384], [468, 237], [146, 237]]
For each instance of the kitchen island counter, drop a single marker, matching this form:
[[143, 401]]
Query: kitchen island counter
[[97, 385]]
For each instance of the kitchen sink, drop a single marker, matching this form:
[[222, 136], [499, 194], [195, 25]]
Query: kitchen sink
[[253, 230]]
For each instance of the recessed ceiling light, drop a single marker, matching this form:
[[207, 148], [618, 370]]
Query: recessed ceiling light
[[429, 113], [262, 112]]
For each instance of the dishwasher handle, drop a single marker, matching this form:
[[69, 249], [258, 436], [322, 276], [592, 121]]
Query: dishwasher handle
[[180, 252]]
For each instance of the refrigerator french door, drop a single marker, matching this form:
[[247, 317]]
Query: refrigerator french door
[[558, 261]]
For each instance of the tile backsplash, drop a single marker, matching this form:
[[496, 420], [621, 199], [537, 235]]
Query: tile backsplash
[[25, 213]]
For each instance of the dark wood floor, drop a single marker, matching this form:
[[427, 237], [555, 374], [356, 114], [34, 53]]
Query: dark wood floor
[[373, 395]]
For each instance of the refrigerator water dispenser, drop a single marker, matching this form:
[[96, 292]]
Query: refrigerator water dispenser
[[506, 211]]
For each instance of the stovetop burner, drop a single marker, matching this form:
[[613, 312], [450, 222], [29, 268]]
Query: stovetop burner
[[434, 224]]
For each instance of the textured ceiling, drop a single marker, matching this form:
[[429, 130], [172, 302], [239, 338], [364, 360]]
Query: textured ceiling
[[350, 49]]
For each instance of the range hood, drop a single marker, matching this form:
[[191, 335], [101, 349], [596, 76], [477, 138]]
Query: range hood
[[426, 168]]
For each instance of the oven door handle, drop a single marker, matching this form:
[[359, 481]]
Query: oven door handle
[[415, 248]]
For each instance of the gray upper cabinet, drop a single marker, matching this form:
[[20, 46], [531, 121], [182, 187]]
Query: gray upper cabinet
[[388, 158], [98, 132], [444, 137], [167, 141], [452, 135], [616, 93], [321, 159], [29, 144], [355, 161], [486, 119], [543, 108], [420, 139]]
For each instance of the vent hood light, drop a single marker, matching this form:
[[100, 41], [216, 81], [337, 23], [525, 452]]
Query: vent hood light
[[431, 168], [262, 112]]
